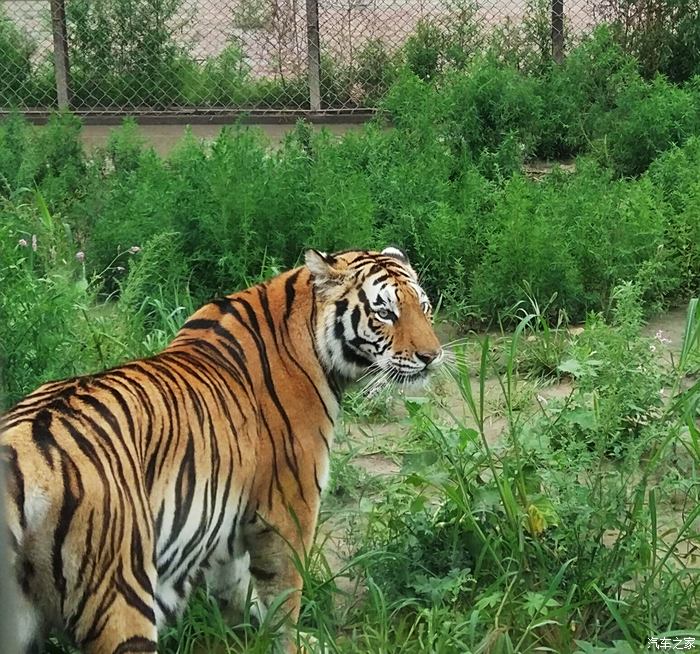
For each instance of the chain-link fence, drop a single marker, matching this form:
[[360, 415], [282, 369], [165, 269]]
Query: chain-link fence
[[227, 56]]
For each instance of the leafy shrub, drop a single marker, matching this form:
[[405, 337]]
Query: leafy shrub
[[663, 36], [675, 174], [538, 229], [43, 324], [15, 135], [527, 44], [648, 119], [681, 48], [446, 44], [341, 203], [224, 79], [51, 158], [143, 193], [451, 238], [125, 146], [16, 51], [374, 71], [579, 93], [124, 52], [156, 266], [527, 244], [443, 184], [619, 383], [423, 50], [488, 105], [487, 115]]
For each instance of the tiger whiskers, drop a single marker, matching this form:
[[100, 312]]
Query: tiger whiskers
[[378, 384], [457, 342], [371, 369]]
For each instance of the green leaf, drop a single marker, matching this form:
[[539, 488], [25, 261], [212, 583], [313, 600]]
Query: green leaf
[[571, 366]]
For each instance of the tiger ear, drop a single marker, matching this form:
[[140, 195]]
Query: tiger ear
[[396, 253], [325, 267]]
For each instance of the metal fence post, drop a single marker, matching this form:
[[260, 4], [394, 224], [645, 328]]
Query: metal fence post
[[60, 52], [558, 30], [314, 60]]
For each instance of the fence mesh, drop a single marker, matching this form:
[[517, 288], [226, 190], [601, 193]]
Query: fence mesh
[[208, 56]]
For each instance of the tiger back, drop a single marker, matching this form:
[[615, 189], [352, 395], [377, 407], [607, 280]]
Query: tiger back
[[129, 487]]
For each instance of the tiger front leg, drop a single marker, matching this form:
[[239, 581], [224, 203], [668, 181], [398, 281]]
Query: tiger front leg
[[276, 553]]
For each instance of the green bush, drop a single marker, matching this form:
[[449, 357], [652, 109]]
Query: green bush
[[444, 183], [681, 47], [423, 50], [124, 52], [663, 36], [675, 174], [51, 158], [648, 120], [44, 332], [16, 51], [578, 94], [374, 71], [528, 244], [619, 390], [490, 105], [537, 236], [144, 195]]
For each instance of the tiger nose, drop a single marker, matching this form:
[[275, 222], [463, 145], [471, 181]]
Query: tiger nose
[[428, 357]]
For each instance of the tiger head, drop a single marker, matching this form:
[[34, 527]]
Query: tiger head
[[373, 315]]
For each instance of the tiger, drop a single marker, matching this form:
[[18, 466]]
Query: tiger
[[205, 463]]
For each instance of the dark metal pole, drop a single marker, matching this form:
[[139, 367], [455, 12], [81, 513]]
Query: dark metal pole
[[60, 52], [558, 30], [314, 61]]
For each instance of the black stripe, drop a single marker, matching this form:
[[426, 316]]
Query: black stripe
[[136, 644], [131, 597], [87, 447], [184, 491], [138, 561], [318, 484], [269, 384], [69, 505], [263, 575], [16, 474], [199, 324], [42, 436], [25, 573], [290, 293]]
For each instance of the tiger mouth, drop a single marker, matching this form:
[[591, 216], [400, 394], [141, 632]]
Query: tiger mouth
[[410, 377]]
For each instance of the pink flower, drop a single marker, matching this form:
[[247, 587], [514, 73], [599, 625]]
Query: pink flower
[[34, 242], [134, 249], [23, 242], [80, 256]]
